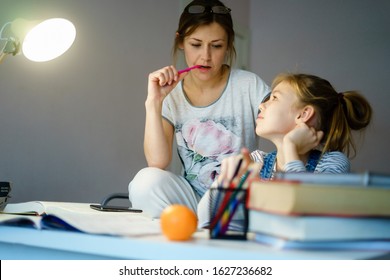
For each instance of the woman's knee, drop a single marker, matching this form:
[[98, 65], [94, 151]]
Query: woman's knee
[[148, 180], [152, 189]]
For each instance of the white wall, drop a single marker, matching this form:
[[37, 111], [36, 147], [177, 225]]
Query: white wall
[[346, 42]]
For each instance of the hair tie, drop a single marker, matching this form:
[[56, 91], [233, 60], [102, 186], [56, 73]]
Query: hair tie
[[340, 95]]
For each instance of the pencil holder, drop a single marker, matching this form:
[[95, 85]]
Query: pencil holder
[[228, 214]]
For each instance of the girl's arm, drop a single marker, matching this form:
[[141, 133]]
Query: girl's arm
[[331, 162]]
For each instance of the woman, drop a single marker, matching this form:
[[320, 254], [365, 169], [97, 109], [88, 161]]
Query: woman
[[210, 111]]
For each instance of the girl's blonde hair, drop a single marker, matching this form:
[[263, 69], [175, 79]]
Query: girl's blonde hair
[[338, 113]]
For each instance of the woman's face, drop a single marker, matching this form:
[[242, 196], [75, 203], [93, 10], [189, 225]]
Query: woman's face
[[206, 46], [278, 115]]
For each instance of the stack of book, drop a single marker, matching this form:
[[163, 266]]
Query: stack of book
[[321, 211]]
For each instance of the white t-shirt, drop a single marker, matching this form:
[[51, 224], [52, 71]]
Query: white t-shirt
[[206, 135]]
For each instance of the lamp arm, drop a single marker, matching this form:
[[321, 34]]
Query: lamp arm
[[2, 29], [2, 56], [11, 46]]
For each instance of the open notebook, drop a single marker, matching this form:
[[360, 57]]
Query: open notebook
[[77, 217]]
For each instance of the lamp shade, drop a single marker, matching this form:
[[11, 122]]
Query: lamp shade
[[49, 39]]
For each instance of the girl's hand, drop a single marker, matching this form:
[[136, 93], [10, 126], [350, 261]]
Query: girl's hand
[[303, 137], [229, 167], [161, 83]]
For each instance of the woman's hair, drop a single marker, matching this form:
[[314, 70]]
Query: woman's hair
[[338, 113], [189, 22]]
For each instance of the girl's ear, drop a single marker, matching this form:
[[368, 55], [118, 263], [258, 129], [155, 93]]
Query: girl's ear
[[306, 115]]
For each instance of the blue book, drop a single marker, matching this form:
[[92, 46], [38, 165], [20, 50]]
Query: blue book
[[319, 228], [364, 179], [359, 245]]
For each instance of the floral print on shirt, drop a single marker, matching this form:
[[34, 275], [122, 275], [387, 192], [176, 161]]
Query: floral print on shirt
[[202, 145]]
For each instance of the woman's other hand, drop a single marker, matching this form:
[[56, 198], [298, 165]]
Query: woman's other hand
[[243, 162]]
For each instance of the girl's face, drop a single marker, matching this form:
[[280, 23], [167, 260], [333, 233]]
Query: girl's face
[[206, 46], [279, 114]]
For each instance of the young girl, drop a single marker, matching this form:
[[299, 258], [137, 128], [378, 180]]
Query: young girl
[[211, 111], [311, 126]]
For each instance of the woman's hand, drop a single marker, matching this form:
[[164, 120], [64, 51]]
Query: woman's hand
[[161, 83], [229, 165]]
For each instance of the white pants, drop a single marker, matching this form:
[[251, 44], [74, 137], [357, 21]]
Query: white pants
[[153, 189]]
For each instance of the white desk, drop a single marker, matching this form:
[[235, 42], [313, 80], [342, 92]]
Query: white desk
[[24, 243]]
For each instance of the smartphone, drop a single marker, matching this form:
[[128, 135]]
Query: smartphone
[[114, 208]]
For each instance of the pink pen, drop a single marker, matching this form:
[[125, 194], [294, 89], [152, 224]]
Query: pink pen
[[189, 69]]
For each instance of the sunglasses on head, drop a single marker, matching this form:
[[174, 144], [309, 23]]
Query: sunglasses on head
[[199, 9]]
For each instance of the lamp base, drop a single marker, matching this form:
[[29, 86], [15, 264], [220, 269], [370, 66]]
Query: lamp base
[[5, 189]]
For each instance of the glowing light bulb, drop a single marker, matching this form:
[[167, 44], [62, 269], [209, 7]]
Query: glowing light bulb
[[49, 39]]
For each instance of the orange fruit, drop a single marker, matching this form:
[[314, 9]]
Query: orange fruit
[[178, 222]]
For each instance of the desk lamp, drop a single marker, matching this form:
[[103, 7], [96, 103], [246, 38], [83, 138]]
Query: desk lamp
[[39, 41]]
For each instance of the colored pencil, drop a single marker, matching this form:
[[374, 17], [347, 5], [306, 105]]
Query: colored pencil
[[226, 197], [231, 207], [189, 69]]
